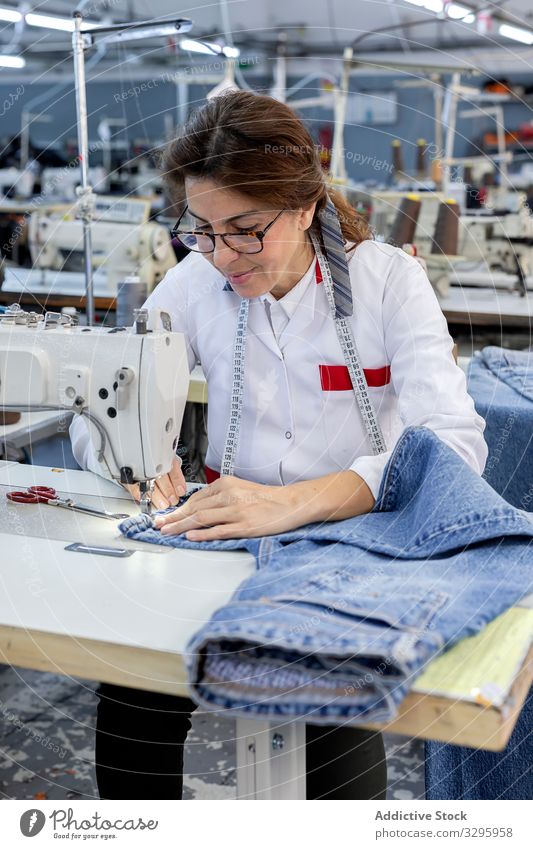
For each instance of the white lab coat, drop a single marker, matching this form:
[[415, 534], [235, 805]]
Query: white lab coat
[[296, 423]]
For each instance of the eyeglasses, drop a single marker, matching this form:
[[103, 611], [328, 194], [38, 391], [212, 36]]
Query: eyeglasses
[[244, 241]]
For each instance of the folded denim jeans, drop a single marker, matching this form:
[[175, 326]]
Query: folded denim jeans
[[363, 603]]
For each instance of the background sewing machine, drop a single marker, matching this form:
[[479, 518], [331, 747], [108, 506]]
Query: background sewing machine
[[61, 183], [497, 236], [125, 242], [504, 240], [129, 384], [17, 183]]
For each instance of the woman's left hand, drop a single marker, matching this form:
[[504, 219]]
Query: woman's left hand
[[231, 508]]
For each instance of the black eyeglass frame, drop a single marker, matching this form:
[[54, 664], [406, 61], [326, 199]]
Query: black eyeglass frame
[[259, 234]]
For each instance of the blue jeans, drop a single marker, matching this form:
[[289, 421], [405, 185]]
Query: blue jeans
[[501, 384], [340, 617]]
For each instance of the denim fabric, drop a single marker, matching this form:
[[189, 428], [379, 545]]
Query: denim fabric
[[501, 384], [340, 617], [456, 772]]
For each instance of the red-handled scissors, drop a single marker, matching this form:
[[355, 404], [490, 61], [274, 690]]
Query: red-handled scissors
[[48, 495], [33, 495]]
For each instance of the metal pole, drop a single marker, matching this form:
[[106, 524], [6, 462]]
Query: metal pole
[[279, 88], [338, 166], [80, 41], [500, 130], [450, 119], [85, 191], [25, 140]]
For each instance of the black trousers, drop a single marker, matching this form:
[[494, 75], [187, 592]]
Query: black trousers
[[140, 738]]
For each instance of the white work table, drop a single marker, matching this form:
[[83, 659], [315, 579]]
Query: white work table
[[127, 620], [33, 427], [482, 306], [113, 619]]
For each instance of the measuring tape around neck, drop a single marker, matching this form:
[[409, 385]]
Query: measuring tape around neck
[[351, 358], [237, 391]]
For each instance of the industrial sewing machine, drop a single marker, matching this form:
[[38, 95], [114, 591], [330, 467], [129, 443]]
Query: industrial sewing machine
[[61, 183], [495, 243], [16, 183], [504, 240], [130, 384], [125, 242]]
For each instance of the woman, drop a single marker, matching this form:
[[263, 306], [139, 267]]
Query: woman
[[288, 304]]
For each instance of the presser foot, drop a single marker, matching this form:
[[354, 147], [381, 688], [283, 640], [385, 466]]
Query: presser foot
[[145, 503]]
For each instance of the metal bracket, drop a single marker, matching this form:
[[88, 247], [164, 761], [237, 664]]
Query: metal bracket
[[270, 760]]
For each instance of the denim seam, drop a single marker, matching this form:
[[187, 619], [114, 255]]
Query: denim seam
[[386, 498], [460, 526], [368, 616], [264, 553]]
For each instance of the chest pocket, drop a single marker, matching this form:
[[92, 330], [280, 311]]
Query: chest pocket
[[343, 426]]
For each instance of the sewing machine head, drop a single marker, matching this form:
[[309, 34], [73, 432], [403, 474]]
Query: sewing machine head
[[130, 384], [124, 242]]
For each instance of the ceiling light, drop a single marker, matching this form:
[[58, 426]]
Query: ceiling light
[[192, 45], [12, 62], [516, 33], [48, 22], [10, 15], [431, 5], [458, 12]]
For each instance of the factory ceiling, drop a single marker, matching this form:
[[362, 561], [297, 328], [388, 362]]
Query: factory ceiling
[[408, 30]]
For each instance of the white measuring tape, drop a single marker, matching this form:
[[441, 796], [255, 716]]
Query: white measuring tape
[[237, 391], [351, 358]]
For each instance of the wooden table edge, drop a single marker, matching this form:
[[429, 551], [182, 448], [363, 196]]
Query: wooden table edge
[[420, 715]]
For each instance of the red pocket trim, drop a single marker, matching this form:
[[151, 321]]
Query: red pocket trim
[[211, 475], [337, 378]]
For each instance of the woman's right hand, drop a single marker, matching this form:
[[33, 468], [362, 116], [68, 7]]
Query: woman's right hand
[[168, 489]]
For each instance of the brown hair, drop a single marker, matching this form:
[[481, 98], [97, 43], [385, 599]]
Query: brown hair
[[258, 146]]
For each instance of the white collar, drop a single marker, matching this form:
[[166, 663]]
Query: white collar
[[290, 301]]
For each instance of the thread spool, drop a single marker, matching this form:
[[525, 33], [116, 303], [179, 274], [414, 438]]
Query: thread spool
[[397, 156], [131, 295], [436, 172], [472, 195], [421, 158], [404, 225], [446, 235], [8, 417]]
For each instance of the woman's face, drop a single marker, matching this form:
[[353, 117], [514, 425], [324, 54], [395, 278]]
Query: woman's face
[[287, 251]]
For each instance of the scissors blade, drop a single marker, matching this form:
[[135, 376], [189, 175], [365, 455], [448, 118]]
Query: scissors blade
[[69, 504]]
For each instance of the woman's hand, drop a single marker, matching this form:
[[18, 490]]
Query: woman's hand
[[231, 508], [168, 489]]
